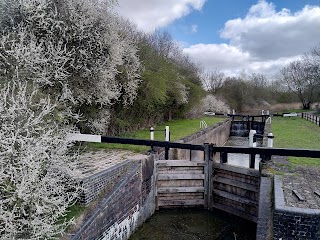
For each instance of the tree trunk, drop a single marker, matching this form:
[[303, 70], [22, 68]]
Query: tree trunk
[[306, 105]]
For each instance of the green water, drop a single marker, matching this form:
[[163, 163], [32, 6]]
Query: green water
[[192, 224]]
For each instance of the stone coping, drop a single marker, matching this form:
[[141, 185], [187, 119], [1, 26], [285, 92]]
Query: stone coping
[[279, 202], [94, 162]]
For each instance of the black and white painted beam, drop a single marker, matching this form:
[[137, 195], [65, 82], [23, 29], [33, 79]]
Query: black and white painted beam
[[84, 137]]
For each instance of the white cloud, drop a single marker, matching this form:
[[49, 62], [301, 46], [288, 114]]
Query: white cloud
[[151, 14], [218, 55], [263, 41], [233, 61], [267, 34]]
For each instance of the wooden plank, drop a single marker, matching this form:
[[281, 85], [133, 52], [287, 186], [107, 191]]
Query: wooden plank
[[210, 183], [243, 185], [193, 202], [236, 212], [205, 185], [167, 176], [180, 189], [180, 183], [180, 196], [236, 169], [238, 177], [235, 197], [178, 163], [156, 185], [298, 195], [174, 171], [180, 168]]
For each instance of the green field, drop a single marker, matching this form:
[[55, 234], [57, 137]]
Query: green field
[[178, 130], [295, 132]]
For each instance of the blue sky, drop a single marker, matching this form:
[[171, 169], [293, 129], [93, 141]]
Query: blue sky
[[234, 36], [209, 21]]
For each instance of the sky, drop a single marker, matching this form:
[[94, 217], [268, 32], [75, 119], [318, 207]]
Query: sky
[[233, 36]]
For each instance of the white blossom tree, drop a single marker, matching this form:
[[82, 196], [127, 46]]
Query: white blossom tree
[[76, 50], [213, 104], [36, 183], [210, 103]]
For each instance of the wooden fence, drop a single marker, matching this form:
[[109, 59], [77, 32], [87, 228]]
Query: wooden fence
[[311, 117]]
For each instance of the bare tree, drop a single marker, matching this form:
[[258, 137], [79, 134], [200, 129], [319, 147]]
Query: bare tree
[[162, 42], [259, 80], [312, 62], [298, 76], [213, 80]]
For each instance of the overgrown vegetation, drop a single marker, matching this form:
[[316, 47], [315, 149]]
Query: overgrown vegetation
[[295, 132]]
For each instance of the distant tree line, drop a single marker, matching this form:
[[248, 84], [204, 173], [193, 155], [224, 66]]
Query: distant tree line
[[299, 81]]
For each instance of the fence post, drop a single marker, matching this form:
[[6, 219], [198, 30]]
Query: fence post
[[167, 133], [270, 140], [152, 138], [208, 157], [166, 156], [151, 133], [252, 143], [223, 157], [270, 145], [252, 159]]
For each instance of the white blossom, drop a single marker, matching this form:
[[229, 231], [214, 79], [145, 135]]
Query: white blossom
[[213, 104], [75, 50], [182, 93], [209, 104], [36, 185]]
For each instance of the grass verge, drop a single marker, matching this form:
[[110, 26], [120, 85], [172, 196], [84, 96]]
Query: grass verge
[[178, 130], [295, 132]]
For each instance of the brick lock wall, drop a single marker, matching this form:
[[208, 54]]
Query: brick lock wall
[[294, 225], [96, 183], [291, 222], [123, 209]]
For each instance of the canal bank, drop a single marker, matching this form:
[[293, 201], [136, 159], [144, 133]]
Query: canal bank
[[129, 221]]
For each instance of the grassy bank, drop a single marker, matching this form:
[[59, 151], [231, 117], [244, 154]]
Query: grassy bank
[[295, 132], [178, 130]]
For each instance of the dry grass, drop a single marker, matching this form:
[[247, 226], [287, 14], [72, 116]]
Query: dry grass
[[279, 107], [285, 106]]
